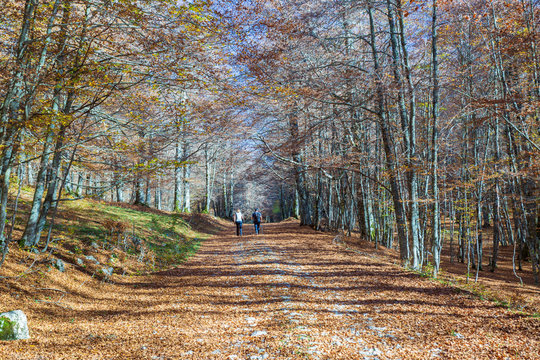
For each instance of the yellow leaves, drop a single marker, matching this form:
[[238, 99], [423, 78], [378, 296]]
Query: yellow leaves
[[155, 165], [122, 145], [284, 90]]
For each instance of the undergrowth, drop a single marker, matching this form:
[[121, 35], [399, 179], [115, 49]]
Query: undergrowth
[[514, 303], [158, 240], [95, 236], [6, 329]]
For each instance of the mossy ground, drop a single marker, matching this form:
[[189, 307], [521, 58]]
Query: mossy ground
[[131, 239], [167, 238], [6, 329]]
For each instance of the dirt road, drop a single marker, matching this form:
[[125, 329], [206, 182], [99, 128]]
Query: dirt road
[[289, 293]]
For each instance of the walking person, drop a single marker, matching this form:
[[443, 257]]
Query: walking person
[[257, 216], [238, 219]]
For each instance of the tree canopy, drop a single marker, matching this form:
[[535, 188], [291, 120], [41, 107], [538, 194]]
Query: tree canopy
[[412, 123]]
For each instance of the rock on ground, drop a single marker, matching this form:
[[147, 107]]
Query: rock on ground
[[13, 326], [91, 258], [59, 264], [107, 271]]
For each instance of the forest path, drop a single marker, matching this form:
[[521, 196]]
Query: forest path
[[290, 293]]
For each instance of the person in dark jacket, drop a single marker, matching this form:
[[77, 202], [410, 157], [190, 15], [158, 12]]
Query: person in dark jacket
[[257, 217]]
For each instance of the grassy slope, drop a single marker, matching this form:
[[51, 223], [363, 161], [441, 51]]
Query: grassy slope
[[168, 238], [150, 240]]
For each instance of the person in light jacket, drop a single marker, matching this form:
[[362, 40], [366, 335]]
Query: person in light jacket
[[238, 219]]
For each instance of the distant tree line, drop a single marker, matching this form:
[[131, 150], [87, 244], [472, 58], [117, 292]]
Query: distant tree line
[[414, 123]]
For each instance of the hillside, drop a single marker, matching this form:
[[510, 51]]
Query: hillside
[[95, 242]]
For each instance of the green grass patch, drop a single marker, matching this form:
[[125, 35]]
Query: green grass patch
[[6, 329], [174, 252], [167, 236], [87, 231]]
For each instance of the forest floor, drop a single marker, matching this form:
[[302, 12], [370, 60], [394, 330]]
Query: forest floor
[[289, 293], [507, 285]]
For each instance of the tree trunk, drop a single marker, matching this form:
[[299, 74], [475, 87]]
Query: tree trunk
[[388, 150], [436, 240], [300, 173], [178, 180], [30, 232]]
